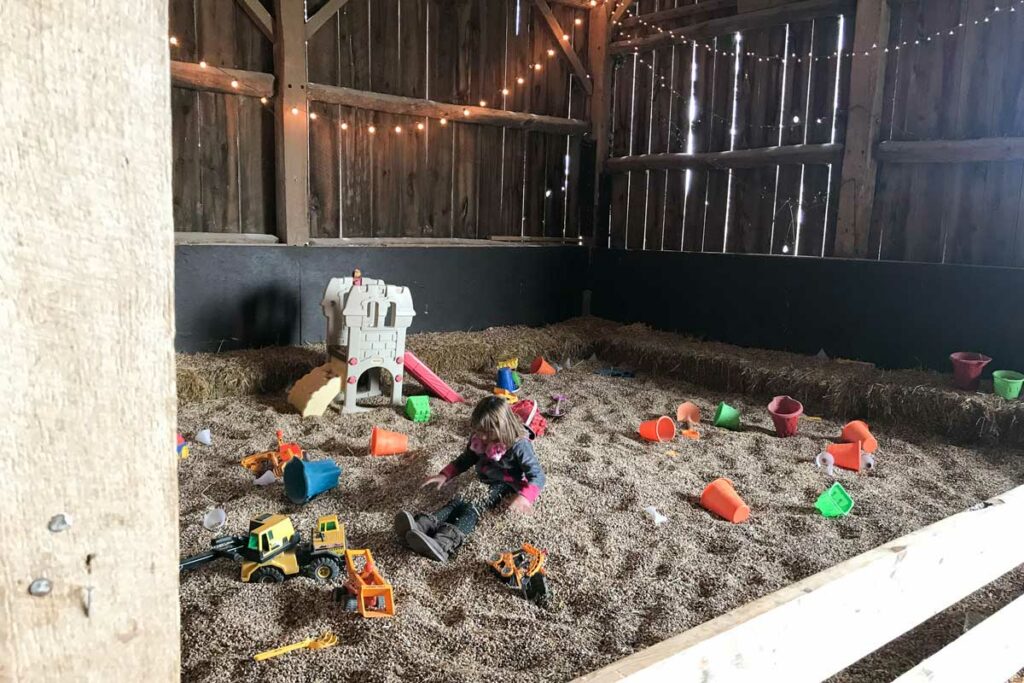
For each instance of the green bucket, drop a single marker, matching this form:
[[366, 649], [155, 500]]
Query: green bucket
[[727, 417], [1007, 383], [835, 502]]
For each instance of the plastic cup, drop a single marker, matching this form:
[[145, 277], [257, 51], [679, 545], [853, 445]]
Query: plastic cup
[[727, 417], [688, 412], [541, 367], [846, 455], [661, 429], [1007, 383], [786, 412], [383, 442], [721, 498], [858, 430]]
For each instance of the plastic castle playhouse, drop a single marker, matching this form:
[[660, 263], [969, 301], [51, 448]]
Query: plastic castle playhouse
[[366, 324]]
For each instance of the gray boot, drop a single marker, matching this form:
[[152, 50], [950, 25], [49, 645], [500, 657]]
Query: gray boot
[[406, 522], [445, 541]]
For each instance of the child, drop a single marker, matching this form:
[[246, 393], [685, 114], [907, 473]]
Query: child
[[504, 460]]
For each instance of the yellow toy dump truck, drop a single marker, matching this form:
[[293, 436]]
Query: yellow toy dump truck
[[273, 550]]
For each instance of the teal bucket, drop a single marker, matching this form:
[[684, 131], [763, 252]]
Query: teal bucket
[[305, 480]]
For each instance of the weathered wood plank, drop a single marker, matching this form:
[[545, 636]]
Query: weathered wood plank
[[950, 151], [325, 14], [256, 166], [563, 38], [182, 21], [797, 11], [291, 122], [215, 79], [187, 181], [680, 13], [218, 158], [259, 16], [464, 114], [621, 129], [324, 167]]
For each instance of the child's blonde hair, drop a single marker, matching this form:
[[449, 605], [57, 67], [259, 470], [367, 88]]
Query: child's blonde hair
[[493, 416]]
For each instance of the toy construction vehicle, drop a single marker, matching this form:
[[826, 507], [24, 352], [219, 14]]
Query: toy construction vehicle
[[259, 463], [366, 591], [273, 550], [524, 571]]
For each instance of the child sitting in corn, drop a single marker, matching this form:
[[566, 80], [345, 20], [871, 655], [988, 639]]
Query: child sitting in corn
[[504, 460]]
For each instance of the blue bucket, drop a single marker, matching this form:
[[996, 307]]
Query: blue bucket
[[506, 381], [305, 480]]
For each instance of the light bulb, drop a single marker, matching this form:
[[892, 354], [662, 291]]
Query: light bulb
[[312, 116], [537, 67], [372, 129], [444, 122], [551, 53], [565, 37], [785, 248], [263, 100], [465, 112], [295, 111], [420, 126], [796, 119], [483, 103], [234, 84], [504, 91], [520, 80], [202, 65], [173, 40], [344, 126], [579, 22], [398, 129]]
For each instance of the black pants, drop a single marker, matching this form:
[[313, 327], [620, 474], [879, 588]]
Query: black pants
[[466, 515]]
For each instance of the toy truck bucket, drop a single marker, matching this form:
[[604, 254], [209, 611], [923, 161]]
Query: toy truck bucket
[[305, 480]]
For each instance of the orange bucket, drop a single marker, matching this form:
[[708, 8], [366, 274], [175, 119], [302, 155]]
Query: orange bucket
[[688, 413], [541, 367], [662, 429], [847, 455], [858, 431], [383, 442], [721, 498]]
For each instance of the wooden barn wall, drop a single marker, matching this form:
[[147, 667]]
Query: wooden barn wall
[[428, 180], [223, 145], [680, 98], [967, 86]]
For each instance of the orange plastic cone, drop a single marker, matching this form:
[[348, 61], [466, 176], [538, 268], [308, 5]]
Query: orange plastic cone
[[662, 429], [383, 442], [541, 367], [858, 431], [688, 413], [847, 455], [721, 498]]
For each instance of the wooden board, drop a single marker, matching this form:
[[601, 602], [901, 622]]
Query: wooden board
[[256, 171], [187, 179], [878, 595]]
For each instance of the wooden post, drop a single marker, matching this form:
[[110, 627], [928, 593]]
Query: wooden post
[[291, 120], [600, 106], [88, 569], [860, 167]]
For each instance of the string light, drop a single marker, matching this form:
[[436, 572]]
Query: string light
[[263, 100], [565, 37], [504, 91], [173, 40], [234, 84], [202, 65], [398, 129], [444, 122], [295, 111], [520, 80], [551, 53], [344, 126], [483, 103], [372, 129], [420, 126], [578, 22], [465, 112], [537, 67], [312, 116]]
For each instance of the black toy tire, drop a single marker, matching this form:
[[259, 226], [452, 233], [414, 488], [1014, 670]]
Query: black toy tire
[[267, 575], [324, 569]]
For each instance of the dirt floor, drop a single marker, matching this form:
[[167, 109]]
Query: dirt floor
[[620, 583]]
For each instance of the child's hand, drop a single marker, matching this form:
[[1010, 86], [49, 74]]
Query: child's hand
[[521, 505], [437, 481]]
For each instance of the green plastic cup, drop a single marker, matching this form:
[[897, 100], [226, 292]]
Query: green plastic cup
[[835, 502], [727, 417], [1007, 383]]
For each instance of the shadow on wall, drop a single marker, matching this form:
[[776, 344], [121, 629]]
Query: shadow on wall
[[267, 316]]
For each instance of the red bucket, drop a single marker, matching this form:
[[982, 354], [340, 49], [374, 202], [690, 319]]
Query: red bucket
[[785, 412], [967, 369]]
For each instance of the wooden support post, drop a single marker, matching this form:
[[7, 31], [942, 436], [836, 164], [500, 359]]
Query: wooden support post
[[291, 120], [560, 37], [860, 167], [600, 107]]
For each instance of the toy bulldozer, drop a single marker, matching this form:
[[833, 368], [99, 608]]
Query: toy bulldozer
[[259, 463], [524, 571], [366, 591], [273, 550]]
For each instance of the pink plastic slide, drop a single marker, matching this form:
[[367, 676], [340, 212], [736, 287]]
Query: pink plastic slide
[[425, 376]]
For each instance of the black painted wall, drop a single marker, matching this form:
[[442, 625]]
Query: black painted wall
[[896, 315], [230, 297]]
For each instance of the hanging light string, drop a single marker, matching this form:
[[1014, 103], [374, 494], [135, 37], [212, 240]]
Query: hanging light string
[[923, 39]]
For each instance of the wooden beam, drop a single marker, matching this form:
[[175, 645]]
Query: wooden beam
[[558, 34], [874, 598], [828, 153], [600, 109], [988, 652], [411, 106], [192, 238], [216, 79], [860, 167], [316, 21], [950, 151], [796, 11], [680, 13], [621, 9], [291, 121], [260, 16], [578, 4]]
